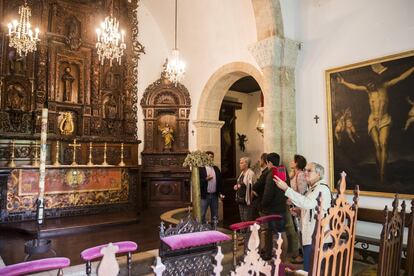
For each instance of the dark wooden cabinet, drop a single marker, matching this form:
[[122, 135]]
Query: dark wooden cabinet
[[166, 107]]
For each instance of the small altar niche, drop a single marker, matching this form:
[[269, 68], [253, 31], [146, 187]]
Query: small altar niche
[[166, 109]]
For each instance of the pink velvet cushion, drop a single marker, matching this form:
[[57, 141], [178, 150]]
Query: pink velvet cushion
[[282, 269], [241, 225], [34, 266], [95, 252], [194, 239], [265, 219]]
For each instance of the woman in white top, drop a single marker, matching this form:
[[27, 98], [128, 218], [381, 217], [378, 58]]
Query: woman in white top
[[243, 188], [306, 204]]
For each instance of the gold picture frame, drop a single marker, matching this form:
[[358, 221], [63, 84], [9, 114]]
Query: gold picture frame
[[370, 108]]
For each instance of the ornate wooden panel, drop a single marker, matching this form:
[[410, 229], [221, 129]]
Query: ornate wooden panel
[[86, 100], [163, 104], [166, 109], [64, 74], [70, 191], [392, 234]]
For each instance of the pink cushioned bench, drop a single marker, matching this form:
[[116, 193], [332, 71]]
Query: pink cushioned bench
[[235, 228], [268, 233], [95, 252], [268, 218], [194, 239], [241, 225], [35, 266]]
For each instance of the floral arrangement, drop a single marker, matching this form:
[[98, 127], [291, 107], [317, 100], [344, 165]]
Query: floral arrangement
[[197, 159]]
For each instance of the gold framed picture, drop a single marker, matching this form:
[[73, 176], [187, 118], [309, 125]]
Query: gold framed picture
[[370, 109]]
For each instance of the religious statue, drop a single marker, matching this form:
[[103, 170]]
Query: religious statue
[[16, 97], [73, 39], [68, 80], [242, 138], [112, 80], [110, 108], [167, 133], [66, 125], [17, 64]]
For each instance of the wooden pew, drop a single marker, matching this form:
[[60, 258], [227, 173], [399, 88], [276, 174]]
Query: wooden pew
[[373, 216]]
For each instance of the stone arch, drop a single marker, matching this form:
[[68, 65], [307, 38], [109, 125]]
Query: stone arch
[[269, 21], [207, 123], [218, 85]]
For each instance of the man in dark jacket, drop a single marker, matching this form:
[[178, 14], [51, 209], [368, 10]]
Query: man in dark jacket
[[258, 187], [274, 203], [210, 189]]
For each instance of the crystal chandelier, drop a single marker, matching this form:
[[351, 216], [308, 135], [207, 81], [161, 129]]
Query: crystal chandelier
[[21, 34], [110, 43], [175, 67]]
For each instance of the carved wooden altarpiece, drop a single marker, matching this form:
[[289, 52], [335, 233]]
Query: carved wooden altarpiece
[[86, 100], [166, 106]]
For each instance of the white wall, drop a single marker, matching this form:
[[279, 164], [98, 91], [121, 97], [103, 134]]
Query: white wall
[[150, 63], [336, 33], [246, 124], [289, 9], [211, 34]]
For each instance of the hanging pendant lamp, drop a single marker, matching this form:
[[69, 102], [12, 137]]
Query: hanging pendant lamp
[[111, 44], [175, 69], [21, 35]]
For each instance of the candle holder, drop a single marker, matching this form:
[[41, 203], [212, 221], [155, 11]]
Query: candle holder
[[90, 163], [74, 145], [56, 163], [12, 164], [104, 161], [36, 156], [122, 156]]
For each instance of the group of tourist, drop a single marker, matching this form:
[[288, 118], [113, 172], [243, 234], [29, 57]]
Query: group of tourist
[[294, 198]]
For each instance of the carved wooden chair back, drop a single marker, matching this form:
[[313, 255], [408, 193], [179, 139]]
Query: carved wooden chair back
[[409, 261], [389, 260], [339, 224]]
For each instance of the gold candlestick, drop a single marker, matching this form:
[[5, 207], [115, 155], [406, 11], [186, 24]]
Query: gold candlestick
[[12, 164], [74, 145], [57, 155], [104, 161], [90, 155], [122, 156], [36, 157]]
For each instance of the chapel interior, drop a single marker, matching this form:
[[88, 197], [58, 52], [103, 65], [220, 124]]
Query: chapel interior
[[104, 102]]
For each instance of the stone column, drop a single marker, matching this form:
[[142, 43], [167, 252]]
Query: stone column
[[208, 137], [277, 58]]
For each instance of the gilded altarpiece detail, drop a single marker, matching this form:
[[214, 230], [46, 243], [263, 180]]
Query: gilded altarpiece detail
[[86, 101]]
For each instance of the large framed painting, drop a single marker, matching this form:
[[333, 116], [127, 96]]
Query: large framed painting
[[371, 124]]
